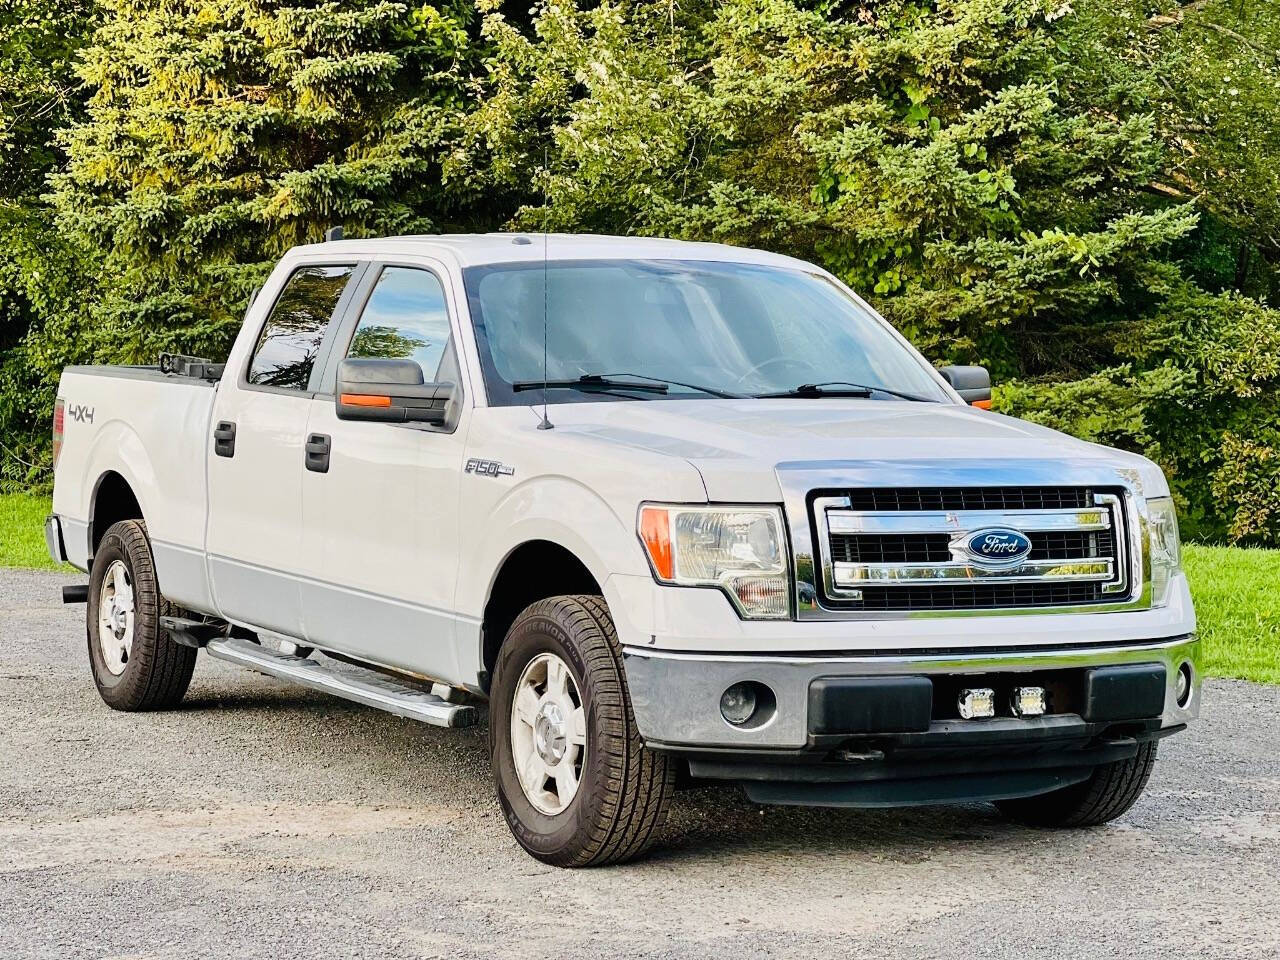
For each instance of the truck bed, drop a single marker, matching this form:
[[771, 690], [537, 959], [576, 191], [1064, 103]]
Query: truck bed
[[153, 429]]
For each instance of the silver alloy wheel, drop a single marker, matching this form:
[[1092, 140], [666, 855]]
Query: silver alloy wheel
[[548, 734], [116, 618]]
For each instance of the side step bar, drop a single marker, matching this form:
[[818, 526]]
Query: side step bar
[[358, 684]]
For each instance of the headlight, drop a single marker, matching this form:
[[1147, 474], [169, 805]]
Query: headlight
[[1166, 549], [738, 549]]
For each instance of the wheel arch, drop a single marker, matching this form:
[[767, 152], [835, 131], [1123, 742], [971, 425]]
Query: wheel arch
[[113, 499], [532, 570]]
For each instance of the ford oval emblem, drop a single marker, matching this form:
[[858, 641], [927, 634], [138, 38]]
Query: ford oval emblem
[[998, 547]]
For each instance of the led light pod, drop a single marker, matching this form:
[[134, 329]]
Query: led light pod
[[977, 703], [1028, 702]]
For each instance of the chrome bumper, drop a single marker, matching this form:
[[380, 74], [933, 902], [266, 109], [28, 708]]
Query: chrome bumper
[[676, 696]]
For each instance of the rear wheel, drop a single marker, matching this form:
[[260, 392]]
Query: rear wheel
[[576, 785], [1109, 792], [136, 666]]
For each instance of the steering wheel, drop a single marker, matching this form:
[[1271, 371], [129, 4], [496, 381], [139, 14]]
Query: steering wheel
[[764, 365]]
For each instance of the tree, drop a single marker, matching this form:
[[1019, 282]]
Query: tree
[[222, 132], [952, 159], [39, 93]]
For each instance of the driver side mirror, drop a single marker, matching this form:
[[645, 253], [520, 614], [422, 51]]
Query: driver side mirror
[[972, 383], [392, 391]]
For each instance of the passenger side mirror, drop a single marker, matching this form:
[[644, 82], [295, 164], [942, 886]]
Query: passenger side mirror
[[972, 383], [392, 391]]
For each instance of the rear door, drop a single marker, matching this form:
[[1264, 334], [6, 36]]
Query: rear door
[[380, 539], [255, 470]]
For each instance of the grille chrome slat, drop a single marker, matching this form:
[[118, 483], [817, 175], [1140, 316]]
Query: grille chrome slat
[[891, 554], [916, 574], [959, 521]]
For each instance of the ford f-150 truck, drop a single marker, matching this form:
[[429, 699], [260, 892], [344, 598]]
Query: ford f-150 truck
[[678, 512]]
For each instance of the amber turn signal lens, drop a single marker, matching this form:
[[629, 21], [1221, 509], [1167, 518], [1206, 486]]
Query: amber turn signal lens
[[981, 404], [655, 531], [362, 400]]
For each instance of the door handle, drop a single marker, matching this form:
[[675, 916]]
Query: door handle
[[317, 448], [224, 439]]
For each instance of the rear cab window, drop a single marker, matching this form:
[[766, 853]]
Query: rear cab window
[[293, 335]]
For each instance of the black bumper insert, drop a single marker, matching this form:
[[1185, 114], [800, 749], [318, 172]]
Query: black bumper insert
[[853, 705]]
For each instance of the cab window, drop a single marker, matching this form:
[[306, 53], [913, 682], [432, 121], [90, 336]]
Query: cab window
[[291, 338], [405, 319]]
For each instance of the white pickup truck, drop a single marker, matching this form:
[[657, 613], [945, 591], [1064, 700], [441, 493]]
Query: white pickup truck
[[679, 512]]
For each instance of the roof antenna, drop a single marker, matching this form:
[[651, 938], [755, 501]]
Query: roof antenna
[[546, 424]]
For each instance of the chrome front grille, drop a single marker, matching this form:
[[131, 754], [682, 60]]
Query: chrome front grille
[[902, 549]]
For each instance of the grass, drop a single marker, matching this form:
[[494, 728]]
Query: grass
[[1237, 591], [1237, 597], [22, 532]]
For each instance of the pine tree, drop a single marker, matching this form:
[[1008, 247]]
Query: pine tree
[[222, 132]]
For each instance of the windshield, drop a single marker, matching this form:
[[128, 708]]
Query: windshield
[[701, 327]]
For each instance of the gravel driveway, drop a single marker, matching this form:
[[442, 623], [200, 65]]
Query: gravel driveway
[[261, 820]]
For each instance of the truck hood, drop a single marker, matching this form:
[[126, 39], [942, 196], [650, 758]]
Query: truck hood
[[737, 445]]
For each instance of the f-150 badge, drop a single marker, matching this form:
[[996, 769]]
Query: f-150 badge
[[489, 468]]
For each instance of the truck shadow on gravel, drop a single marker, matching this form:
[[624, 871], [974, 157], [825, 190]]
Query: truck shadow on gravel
[[705, 822]]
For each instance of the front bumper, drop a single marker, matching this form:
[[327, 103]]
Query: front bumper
[[676, 695], [823, 745]]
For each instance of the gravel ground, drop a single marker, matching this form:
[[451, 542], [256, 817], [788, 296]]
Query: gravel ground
[[262, 820]]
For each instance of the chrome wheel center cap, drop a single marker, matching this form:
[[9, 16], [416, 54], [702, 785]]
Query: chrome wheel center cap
[[119, 619], [550, 733]]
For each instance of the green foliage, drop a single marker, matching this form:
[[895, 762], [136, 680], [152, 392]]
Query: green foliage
[[38, 95], [222, 132], [1081, 196], [995, 173]]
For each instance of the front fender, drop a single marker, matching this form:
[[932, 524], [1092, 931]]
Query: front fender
[[557, 509]]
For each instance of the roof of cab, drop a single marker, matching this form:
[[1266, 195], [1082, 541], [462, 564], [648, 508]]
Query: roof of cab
[[476, 249]]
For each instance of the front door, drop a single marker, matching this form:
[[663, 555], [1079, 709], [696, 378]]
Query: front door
[[380, 520], [255, 470]]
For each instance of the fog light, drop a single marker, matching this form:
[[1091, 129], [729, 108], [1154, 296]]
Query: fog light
[[1182, 685], [1027, 702], [738, 704], [977, 703]]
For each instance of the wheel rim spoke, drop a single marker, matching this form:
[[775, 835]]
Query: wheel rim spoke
[[557, 678], [566, 781], [533, 775], [578, 727], [526, 705]]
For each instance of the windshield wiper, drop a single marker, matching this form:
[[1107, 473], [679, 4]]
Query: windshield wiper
[[713, 391], [843, 388], [591, 381]]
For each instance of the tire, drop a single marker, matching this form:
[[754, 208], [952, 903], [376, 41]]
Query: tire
[[143, 669], [623, 789], [1109, 792]]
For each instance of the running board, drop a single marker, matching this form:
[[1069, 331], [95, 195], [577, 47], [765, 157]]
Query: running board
[[358, 684]]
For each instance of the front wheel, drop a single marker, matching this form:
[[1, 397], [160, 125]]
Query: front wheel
[[576, 785], [1111, 790], [135, 663]]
